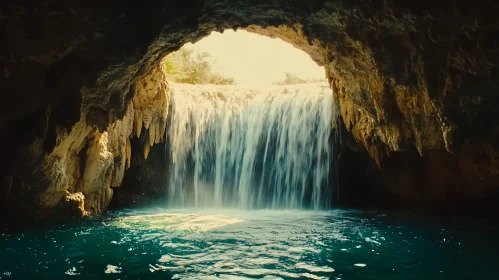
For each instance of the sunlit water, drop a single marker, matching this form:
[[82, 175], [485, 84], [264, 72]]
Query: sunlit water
[[251, 147], [230, 244]]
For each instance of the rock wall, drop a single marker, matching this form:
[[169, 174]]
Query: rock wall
[[76, 178], [145, 182], [439, 182], [416, 82]]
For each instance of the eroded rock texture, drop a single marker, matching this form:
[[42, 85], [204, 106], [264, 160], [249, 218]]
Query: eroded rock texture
[[416, 82], [76, 177]]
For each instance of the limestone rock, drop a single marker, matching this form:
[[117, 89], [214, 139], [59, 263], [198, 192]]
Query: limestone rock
[[75, 205], [151, 103], [96, 181]]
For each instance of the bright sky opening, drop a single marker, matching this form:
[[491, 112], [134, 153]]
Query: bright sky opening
[[252, 59]]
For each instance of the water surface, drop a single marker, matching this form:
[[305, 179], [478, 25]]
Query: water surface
[[264, 244]]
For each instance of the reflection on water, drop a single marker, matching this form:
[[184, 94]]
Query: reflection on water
[[233, 244]]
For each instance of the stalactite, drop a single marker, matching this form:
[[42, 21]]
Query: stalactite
[[134, 128], [138, 128], [146, 118], [151, 103], [163, 128], [152, 135], [158, 132], [128, 152], [147, 149]]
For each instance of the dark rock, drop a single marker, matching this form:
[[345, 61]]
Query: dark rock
[[145, 182]]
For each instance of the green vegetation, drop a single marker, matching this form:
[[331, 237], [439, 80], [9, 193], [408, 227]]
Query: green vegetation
[[184, 66], [292, 79]]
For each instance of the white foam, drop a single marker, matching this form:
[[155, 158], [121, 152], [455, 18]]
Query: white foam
[[110, 269], [311, 276], [313, 268], [368, 239], [250, 148], [72, 271]]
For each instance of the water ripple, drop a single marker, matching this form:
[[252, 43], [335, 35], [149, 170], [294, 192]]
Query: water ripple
[[230, 244]]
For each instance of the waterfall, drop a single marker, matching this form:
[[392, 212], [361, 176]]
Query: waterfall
[[251, 148]]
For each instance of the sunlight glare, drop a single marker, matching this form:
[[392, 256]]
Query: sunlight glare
[[252, 59], [177, 222]]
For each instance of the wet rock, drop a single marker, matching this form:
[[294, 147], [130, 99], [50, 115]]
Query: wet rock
[[74, 204]]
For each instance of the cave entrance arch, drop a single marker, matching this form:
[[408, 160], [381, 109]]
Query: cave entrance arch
[[213, 142], [410, 77]]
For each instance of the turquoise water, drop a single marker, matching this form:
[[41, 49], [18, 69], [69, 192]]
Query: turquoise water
[[231, 244]]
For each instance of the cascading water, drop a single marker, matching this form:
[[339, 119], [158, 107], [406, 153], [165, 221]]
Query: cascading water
[[251, 148]]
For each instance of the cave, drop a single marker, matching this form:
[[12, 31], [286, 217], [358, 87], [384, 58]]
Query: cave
[[87, 103], [261, 135]]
